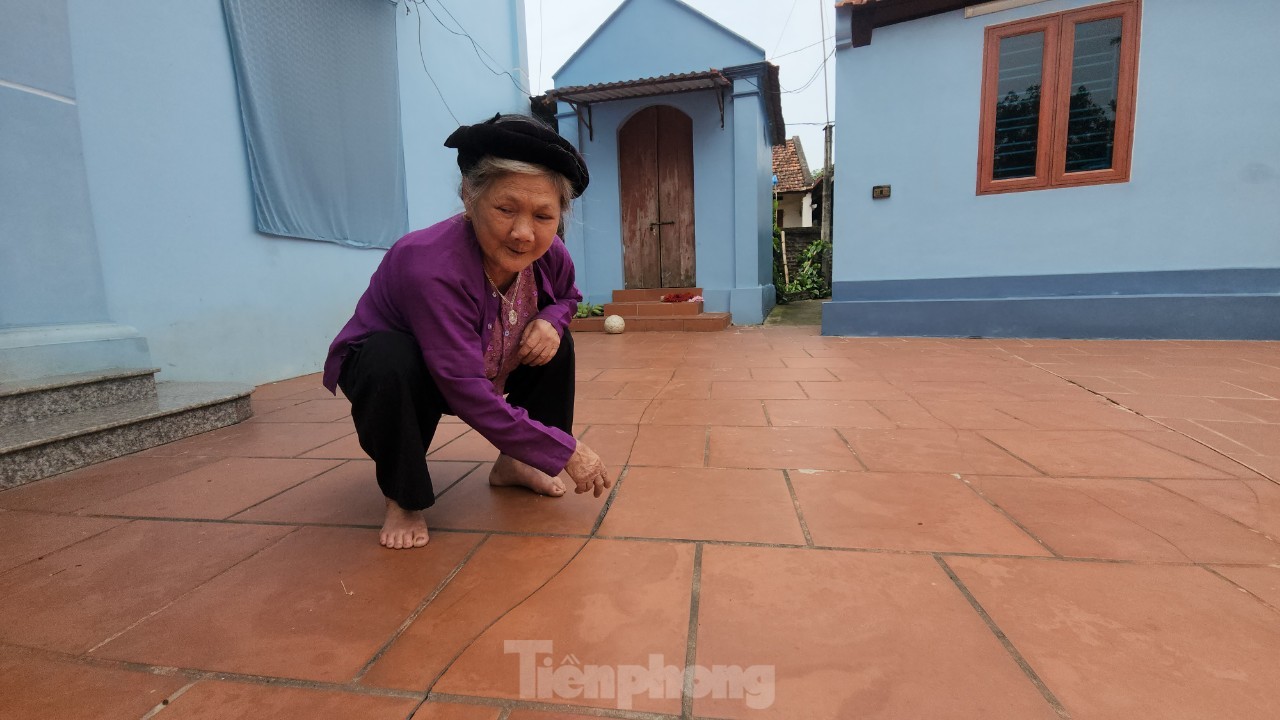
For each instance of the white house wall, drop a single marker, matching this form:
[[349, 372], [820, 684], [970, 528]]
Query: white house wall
[[1201, 204], [170, 192]]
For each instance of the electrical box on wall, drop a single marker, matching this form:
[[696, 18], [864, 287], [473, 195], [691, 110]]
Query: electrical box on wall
[[879, 192]]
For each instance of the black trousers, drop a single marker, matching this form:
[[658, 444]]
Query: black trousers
[[396, 407]]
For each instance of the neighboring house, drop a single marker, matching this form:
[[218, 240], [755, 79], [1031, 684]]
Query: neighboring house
[[128, 234], [1057, 168], [794, 185], [188, 186], [675, 115]]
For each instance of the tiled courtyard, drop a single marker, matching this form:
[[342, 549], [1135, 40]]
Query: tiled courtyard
[[848, 528]]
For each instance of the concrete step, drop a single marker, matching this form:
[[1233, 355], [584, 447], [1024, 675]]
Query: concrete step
[[650, 294], [59, 443], [32, 400], [651, 308], [702, 322]]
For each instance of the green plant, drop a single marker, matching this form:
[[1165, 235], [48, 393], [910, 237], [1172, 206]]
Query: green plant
[[808, 278], [586, 310]]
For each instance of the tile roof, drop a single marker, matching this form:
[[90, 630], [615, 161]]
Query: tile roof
[[790, 166]]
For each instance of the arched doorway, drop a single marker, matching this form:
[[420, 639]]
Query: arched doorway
[[655, 169]]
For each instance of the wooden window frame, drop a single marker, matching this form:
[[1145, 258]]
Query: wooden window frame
[[1055, 98]]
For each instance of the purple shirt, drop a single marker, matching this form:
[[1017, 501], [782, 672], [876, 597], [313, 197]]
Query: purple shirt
[[431, 284], [502, 354]]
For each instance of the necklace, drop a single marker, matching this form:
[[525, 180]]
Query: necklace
[[512, 317]]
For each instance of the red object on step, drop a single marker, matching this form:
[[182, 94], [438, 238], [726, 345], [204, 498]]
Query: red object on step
[[677, 297]]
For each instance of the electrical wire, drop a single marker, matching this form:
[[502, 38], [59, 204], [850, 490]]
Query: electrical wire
[[800, 49], [423, 58], [479, 50], [785, 24], [814, 76]]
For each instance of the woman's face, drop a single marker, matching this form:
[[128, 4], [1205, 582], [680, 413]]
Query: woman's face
[[515, 222]]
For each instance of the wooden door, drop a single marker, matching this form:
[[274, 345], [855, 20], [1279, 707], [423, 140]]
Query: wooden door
[[655, 167]]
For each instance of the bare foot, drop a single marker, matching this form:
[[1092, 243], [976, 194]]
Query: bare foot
[[403, 529], [508, 471]]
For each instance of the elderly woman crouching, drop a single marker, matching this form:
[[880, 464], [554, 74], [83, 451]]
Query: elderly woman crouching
[[464, 312]]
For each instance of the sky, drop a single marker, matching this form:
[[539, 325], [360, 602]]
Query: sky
[[788, 30]]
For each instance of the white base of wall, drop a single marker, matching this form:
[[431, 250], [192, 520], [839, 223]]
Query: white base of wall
[[33, 352]]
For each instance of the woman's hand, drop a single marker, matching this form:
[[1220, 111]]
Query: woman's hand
[[588, 472], [539, 343]]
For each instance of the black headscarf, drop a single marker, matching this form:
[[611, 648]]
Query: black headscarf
[[519, 137]]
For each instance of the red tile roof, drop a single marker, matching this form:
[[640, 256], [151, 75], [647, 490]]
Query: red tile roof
[[790, 166]]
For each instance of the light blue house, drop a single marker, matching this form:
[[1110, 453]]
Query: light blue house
[[1057, 168], [200, 187], [676, 116]]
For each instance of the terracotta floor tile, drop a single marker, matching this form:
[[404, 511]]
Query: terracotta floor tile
[[475, 505], [1267, 465], [1189, 408], [775, 447], [611, 442], [616, 604], [347, 495], [502, 573], [875, 653], [255, 440], [469, 447], [315, 606], [905, 511], [757, 390], [947, 451], [1124, 520], [36, 686], [670, 446], [964, 415], [708, 374], [27, 536], [748, 360], [454, 711], [825, 413], [287, 388], [1255, 503], [853, 390], [1262, 438], [704, 504], [704, 412], [640, 390], [1077, 415], [1096, 453], [71, 491], [598, 389], [609, 412], [1261, 386], [346, 448], [1261, 581], [1115, 642], [1201, 434], [73, 599], [214, 491], [1264, 410], [1194, 450], [309, 411], [651, 375], [907, 414], [1188, 387], [793, 374], [535, 715], [819, 362], [218, 700]]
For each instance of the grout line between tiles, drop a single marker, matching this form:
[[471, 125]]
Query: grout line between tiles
[[422, 606], [795, 502], [691, 646], [461, 477], [169, 700], [504, 715], [297, 484], [191, 590], [1240, 587], [1007, 515], [849, 446], [1021, 661], [1156, 482], [706, 448], [509, 705]]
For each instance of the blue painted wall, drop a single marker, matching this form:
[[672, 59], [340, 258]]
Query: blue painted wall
[[168, 184], [1205, 171], [732, 164]]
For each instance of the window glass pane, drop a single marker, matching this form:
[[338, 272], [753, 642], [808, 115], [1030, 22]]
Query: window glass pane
[[1018, 105], [1095, 75]]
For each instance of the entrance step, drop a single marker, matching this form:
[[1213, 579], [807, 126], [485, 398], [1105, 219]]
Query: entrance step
[[702, 322], [650, 294], [652, 308], [57, 424]]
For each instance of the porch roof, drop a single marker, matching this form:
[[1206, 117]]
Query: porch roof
[[866, 15]]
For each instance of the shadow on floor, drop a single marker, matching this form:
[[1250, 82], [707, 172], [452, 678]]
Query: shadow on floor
[[804, 312]]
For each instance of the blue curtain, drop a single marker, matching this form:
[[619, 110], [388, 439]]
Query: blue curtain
[[320, 104]]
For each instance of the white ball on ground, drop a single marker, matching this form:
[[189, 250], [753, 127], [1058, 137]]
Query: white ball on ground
[[614, 324]]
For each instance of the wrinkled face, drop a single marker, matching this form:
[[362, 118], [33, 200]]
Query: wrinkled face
[[515, 222]]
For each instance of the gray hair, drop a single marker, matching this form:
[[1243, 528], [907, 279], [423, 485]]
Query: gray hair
[[477, 182]]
